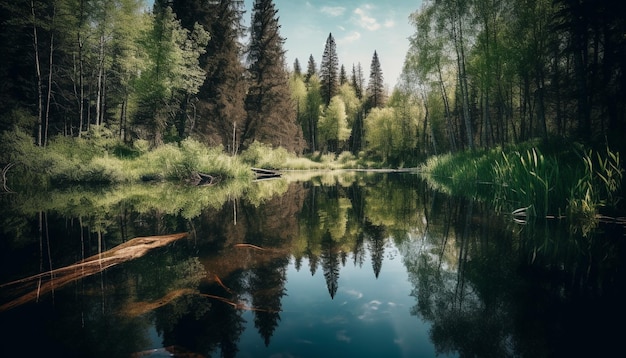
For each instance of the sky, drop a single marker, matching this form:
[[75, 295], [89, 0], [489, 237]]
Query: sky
[[359, 28]]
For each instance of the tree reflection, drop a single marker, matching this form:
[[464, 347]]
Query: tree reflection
[[330, 263], [267, 287], [487, 286], [494, 289]]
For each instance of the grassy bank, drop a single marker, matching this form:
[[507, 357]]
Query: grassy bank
[[534, 178], [99, 157]]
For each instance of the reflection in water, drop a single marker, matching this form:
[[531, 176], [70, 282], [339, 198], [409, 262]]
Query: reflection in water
[[360, 264]]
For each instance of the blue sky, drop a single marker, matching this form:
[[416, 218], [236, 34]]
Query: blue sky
[[359, 28]]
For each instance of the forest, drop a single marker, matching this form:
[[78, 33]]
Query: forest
[[478, 74]]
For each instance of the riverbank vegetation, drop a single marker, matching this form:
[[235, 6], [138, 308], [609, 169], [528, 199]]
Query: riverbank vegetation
[[99, 157], [536, 178]]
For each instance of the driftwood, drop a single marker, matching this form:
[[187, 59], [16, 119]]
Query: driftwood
[[45, 282], [203, 179], [262, 174]]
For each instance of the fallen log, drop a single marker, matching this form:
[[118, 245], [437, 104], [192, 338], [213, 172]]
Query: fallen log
[[50, 280], [266, 173]]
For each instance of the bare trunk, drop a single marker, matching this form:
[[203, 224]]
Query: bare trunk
[[446, 104], [50, 63], [38, 74], [99, 89]]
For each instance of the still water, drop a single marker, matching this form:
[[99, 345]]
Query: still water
[[334, 265]]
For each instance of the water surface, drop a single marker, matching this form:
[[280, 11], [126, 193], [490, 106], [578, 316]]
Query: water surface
[[363, 265]]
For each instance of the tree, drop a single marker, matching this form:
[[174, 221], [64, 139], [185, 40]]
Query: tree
[[376, 96], [425, 72], [329, 70], [343, 77], [333, 125], [172, 70], [297, 70], [314, 103], [381, 131], [298, 92], [271, 118], [356, 137], [311, 69], [357, 80], [221, 98], [406, 112]]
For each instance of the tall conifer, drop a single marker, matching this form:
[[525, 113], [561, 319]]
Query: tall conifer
[[271, 117], [220, 109], [311, 68], [376, 96], [329, 69]]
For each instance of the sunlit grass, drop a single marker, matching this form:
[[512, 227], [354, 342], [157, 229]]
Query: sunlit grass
[[567, 180]]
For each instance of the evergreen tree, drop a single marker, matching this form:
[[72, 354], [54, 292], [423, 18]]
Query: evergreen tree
[[357, 80], [271, 116], [356, 137], [297, 70], [375, 89], [329, 75], [330, 264], [221, 97], [343, 77], [311, 69]]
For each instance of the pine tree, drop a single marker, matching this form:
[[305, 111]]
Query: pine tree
[[271, 117], [297, 70], [329, 70], [375, 89], [311, 69], [357, 80], [356, 137], [220, 108], [343, 77]]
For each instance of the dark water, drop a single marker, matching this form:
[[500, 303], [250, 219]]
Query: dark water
[[350, 265]]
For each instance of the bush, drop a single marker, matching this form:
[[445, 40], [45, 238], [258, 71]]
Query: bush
[[264, 156]]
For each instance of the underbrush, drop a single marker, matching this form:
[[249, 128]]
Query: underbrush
[[99, 157]]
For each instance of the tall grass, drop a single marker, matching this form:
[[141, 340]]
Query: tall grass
[[566, 181], [98, 158]]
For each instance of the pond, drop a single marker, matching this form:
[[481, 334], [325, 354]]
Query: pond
[[334, 265]]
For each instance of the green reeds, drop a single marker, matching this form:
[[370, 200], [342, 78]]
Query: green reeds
[[568, 181]]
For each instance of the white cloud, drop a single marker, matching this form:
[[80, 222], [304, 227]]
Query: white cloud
[[342, 336], [355, 293], [365, 20], [333, 10], [390, 23], [351, 37]]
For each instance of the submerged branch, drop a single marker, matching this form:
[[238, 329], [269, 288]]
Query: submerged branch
[[47, 281], [249, 246]]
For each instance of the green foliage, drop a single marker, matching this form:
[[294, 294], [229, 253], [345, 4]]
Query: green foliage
[[96, 159], [565, 181], [381, 131], [333, 124], [264, 156]]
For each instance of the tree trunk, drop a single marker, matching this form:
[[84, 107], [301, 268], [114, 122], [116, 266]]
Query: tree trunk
[[50, 63], [446, 105], [38, 75]]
